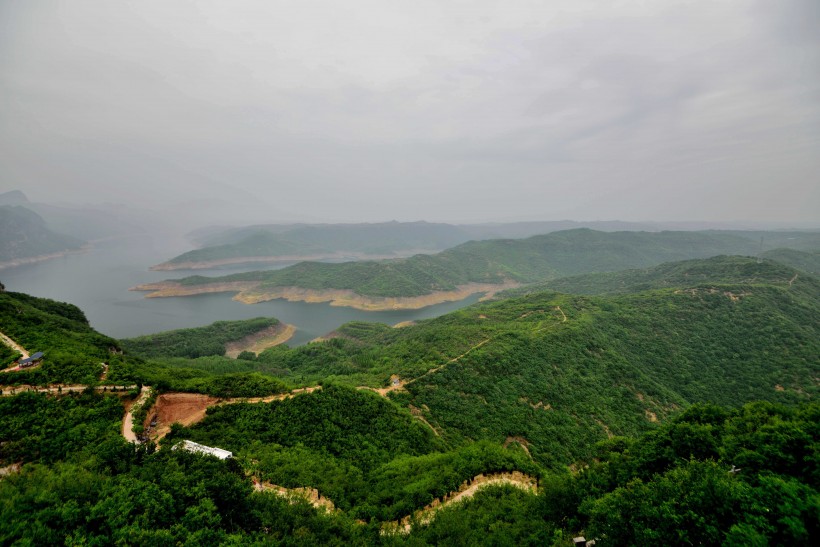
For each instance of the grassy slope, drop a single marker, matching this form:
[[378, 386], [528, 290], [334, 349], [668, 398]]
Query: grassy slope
[[527, 260]]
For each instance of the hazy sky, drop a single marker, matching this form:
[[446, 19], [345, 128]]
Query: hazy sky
[[437, 110]]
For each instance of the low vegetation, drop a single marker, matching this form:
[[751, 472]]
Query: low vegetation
[[196, 342]]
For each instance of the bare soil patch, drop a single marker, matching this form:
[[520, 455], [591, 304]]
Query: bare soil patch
[[10, 469], [190, 408], [170, 408]]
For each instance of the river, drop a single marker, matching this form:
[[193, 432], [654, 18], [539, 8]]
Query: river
[[98, 281]]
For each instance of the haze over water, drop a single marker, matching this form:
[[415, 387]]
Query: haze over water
[[98, 281]]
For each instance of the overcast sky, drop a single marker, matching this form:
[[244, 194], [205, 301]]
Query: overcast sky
[[438, 110]]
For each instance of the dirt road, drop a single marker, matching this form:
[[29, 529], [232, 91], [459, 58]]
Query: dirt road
[[14, 345], [128, 422]]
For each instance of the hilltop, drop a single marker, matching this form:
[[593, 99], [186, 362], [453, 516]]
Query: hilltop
[[472, 267], [718, 269], [294, 242]]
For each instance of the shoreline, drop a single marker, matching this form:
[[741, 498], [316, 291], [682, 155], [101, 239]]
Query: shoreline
[[260, 341], [42, 258], [251, 292], [282, 259]]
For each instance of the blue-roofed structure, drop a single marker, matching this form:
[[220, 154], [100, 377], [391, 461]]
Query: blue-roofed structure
[[29, 361]]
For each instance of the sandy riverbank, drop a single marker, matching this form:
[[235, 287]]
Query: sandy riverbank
[[252, 292], [42, 258]]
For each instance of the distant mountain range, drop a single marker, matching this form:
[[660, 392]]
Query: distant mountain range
[[481, 263], [219, 246], [24, 235], [85, 222]]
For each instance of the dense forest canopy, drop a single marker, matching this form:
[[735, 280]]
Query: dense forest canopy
[[673, 404]]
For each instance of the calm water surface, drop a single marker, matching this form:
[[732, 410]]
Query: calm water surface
[[98, 281]]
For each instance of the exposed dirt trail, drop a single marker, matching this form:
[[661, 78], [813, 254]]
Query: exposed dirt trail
[[450, 362], [467, 490], [424, 515], [128, 421], [311, 495], [14, 345]]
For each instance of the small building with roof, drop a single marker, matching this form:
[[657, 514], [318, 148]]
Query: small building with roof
[[191, 446], [31, 361]]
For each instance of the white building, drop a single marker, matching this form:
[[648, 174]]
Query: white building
[[197, 448]]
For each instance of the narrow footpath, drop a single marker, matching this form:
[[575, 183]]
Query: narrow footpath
[[14, 345], [128, 422]]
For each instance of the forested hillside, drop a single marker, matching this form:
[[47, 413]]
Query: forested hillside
[[74, 351], [493, 261], [718, 269], [196, 342], [678, 405], [564, 371], [26, 235]]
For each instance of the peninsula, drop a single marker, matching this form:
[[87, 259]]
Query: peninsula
[[470, 268]]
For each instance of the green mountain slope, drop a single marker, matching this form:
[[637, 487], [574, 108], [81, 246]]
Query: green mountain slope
[[563, 371], [533, 259], [324, 239], [196, 342], [598, 397], [808, 261], [25, 235], [74, 352], [719, 269]]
